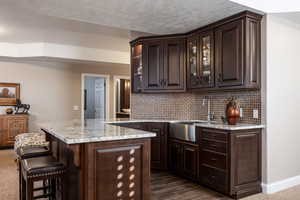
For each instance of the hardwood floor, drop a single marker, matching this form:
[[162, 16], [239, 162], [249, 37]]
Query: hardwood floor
[[166, 186]]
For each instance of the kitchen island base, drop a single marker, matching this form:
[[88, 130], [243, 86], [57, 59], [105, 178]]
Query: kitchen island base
[[105, 170]]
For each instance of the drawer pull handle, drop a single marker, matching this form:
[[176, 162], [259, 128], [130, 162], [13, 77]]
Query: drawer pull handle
[[213, 159]]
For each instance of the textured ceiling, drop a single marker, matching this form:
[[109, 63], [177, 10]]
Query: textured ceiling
[[151, 16], [23, 26]]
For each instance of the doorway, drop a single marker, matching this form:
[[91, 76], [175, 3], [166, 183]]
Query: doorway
[[122, 97], [95, 96]]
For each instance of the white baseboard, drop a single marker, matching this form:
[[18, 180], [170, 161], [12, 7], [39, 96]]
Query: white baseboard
[[280, 185]]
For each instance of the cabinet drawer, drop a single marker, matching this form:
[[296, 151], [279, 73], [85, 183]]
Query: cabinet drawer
[[213, 146], [214, 178], [212, 134], [213, 159]]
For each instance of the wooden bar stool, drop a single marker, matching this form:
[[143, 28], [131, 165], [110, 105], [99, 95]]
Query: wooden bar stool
[[44, 168], [29, 152]]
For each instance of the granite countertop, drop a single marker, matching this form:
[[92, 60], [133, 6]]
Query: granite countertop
[[129, 120], [199, 123], [230, 127], [75, 131]]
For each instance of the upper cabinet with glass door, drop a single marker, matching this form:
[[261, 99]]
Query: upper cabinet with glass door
[[193, 62], [137, 68], [201, 61], [206, 64]]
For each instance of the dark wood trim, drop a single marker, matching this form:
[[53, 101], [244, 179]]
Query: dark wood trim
[[168, 36], [234, 17]]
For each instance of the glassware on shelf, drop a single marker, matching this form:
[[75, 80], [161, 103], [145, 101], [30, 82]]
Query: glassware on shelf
[[206, 51]]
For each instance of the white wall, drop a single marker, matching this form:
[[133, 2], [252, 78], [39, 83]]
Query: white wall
[[282, 101], [52, 88], [45, 86]]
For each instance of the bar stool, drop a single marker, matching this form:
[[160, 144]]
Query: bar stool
[[44, 168], [29, 152], [30, 139]]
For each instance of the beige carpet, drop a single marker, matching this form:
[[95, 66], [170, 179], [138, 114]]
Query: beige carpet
[[9, 183], [9, 189]]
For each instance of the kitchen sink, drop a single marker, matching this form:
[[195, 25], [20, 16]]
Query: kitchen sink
[[185, 130]]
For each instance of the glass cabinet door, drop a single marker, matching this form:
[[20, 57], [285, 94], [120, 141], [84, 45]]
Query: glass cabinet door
[[206, 66], [193, 74], [137, 68]]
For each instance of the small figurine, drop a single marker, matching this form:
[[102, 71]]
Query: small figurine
[[9, 111], [21, 108]]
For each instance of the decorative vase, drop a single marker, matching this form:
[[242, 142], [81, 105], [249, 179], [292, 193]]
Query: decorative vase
[[232, 112], [9, 111]]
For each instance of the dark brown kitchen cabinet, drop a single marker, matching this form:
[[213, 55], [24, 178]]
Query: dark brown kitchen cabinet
[[245, 172], [230, 161], [200, 66], [174, 65], [164, 65], [237, 53], [229, 54], [221, 56], [175, 156], [153, 65], [183, 158], [136, 68], [159, 144], [190, 160], [193, 62]]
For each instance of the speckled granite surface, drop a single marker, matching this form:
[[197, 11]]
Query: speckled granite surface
[[229, 127], [75, 131], [199, 123]]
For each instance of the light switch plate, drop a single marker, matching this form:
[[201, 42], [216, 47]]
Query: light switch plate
[[75, 108], [255, 114], [241, 112]]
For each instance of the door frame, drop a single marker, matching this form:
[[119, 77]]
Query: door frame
[[115, 90], [107, 92]]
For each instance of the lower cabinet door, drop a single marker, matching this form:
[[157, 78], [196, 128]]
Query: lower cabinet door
[[214, 178], [156, 148], [119, 173], [190, 161], [159, 146], [13, 127], [175, 157]]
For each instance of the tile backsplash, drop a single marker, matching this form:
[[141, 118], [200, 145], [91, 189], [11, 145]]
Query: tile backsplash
[[192, 106]]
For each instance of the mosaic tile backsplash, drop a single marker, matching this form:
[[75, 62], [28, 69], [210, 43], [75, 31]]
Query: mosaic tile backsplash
[[193, 106]]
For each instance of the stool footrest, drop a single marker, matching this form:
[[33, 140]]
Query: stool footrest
[[43, 196], [41, 188]]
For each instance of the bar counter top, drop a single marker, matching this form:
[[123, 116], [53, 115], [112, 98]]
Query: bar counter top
[[91, 130]]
